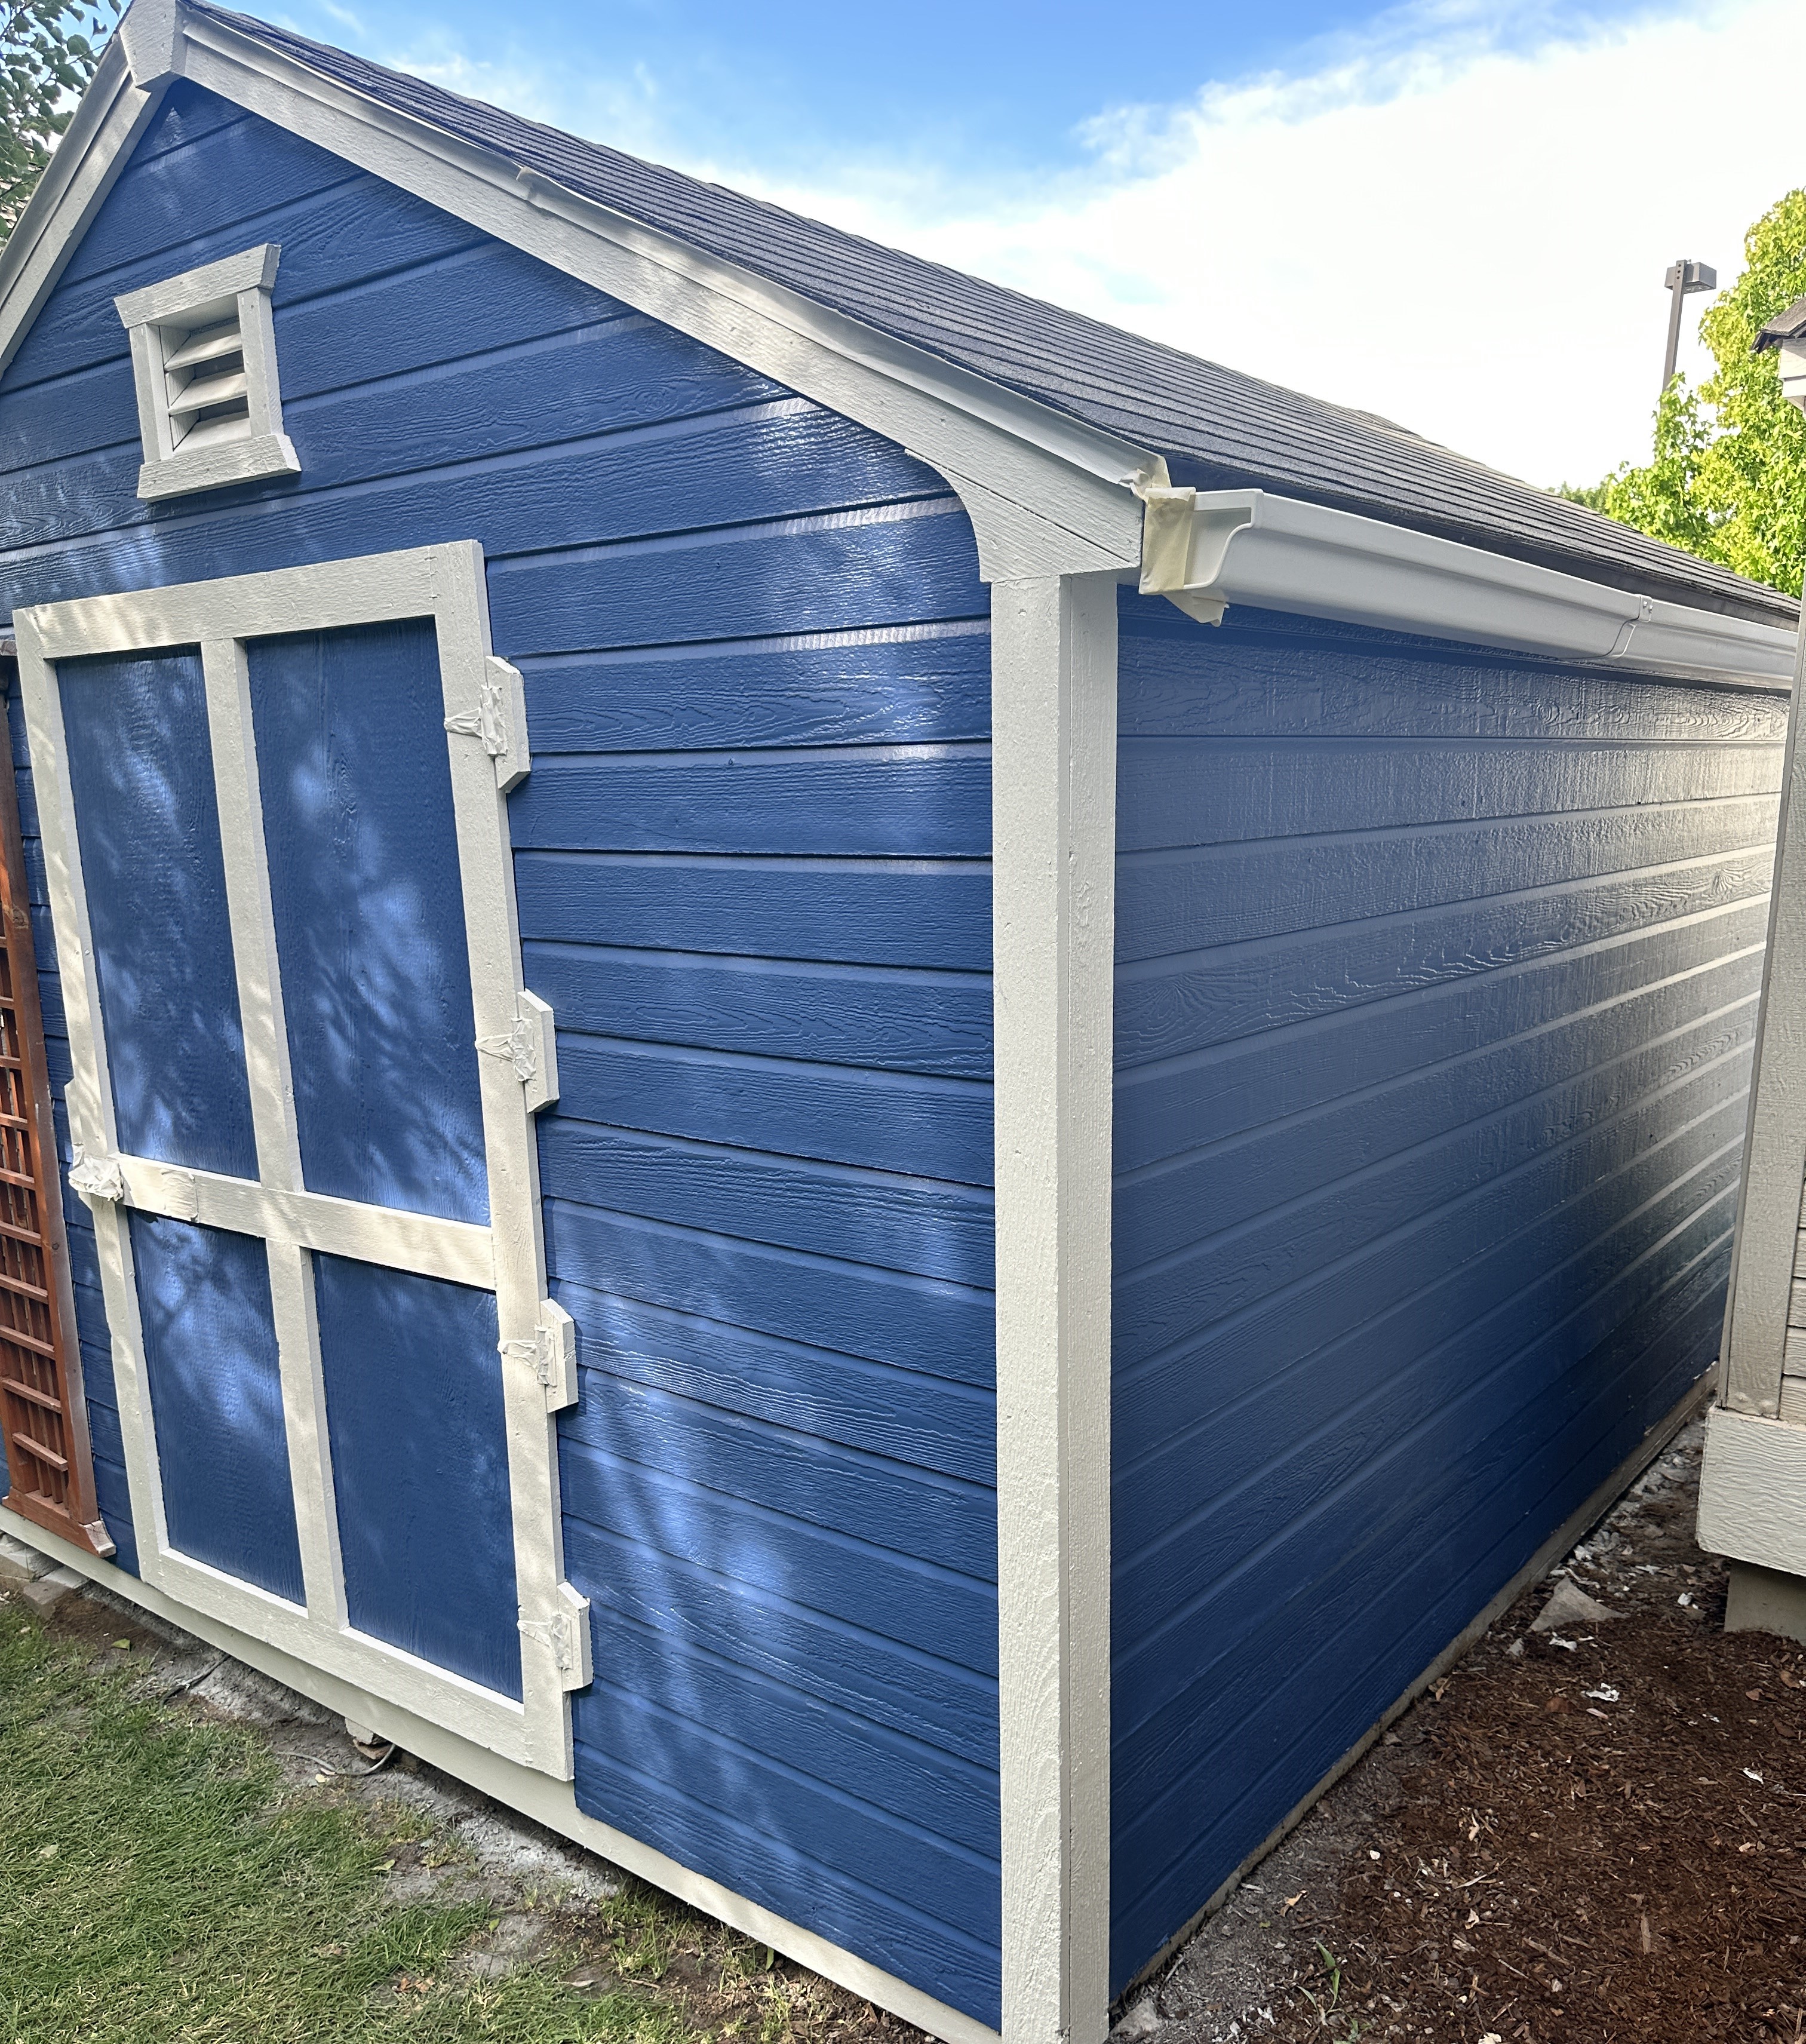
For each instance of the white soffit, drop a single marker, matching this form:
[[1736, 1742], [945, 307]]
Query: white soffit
[[1207, 550]]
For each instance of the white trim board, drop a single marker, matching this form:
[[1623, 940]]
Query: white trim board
[[113, 113], [1753, 1490], [1765, 1246], [444, 584], [1054, 869], [552, 1803]]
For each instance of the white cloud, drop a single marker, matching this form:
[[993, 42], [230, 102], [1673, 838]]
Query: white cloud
[[1469, 240]]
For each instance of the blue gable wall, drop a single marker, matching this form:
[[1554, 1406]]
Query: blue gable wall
[[752, 869], [1436, 987]]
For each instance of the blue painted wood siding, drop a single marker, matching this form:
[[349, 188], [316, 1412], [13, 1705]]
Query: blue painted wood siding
[[752, 865], [1436, 983]]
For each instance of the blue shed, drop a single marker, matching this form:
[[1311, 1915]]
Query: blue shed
[[872, 1091]]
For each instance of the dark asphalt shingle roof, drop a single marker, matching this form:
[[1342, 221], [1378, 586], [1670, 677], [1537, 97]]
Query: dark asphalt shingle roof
[[1217, 428], [1788, 325]]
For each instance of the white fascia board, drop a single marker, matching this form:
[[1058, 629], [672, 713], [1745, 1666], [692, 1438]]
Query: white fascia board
[[1208, 549], [1793, 371]]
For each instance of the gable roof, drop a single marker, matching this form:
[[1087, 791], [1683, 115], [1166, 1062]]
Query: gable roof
[[1217, 428]]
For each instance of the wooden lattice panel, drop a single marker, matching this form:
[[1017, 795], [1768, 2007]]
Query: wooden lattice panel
[[48, 1458]]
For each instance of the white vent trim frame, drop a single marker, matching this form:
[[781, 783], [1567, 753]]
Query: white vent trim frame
[[182, 328]]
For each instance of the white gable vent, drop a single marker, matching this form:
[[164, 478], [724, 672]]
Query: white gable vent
[[204, 354]]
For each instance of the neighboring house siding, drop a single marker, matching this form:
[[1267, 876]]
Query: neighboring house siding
[[752, 863], [1436, 989]]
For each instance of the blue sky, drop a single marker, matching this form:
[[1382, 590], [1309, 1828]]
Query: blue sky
[[1452, 213], [969, 89]]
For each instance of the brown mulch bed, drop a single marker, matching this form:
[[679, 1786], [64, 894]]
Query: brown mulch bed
[[1596, 1834]]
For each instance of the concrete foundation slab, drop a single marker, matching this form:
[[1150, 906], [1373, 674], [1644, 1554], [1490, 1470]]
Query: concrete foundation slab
[[1765, 1601]]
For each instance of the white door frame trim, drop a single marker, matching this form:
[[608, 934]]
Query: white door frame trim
[[445, 584]]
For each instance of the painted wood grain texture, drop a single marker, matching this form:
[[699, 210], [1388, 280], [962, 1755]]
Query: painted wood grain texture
[[838, 1113], [147, 830], [420, 1465], [1435, 1000], [923, 1422], [753, 882], [937, 1023], [368, 909], [216, 1400]]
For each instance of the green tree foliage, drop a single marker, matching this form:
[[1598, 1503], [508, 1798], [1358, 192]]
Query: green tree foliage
[[1728, 479], [48, 49]]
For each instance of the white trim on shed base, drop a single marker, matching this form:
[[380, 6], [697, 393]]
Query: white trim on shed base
[[552, 1803]]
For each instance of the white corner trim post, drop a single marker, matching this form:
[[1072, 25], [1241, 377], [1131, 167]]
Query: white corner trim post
[[1774, 1156], [1053, 752]]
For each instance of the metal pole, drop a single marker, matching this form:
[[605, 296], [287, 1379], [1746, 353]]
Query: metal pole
[[1677, 291]]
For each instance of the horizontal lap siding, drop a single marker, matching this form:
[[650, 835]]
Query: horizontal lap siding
[[1436, 993], [752, 864]]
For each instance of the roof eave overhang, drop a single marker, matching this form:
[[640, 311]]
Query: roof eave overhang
[[1047, 493]]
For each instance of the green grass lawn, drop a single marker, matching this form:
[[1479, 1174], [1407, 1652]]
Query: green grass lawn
[[161, 1879]]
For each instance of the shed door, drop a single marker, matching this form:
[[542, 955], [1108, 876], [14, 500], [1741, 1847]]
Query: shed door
[[303, 1108]]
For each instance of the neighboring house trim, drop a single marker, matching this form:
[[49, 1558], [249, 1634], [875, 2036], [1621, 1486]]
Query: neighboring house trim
[[1753, 1481]]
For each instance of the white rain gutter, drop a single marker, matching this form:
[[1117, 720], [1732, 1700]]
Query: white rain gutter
[[1207, 549]]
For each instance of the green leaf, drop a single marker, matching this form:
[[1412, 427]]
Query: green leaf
[[47, 62], [1726, 476]]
